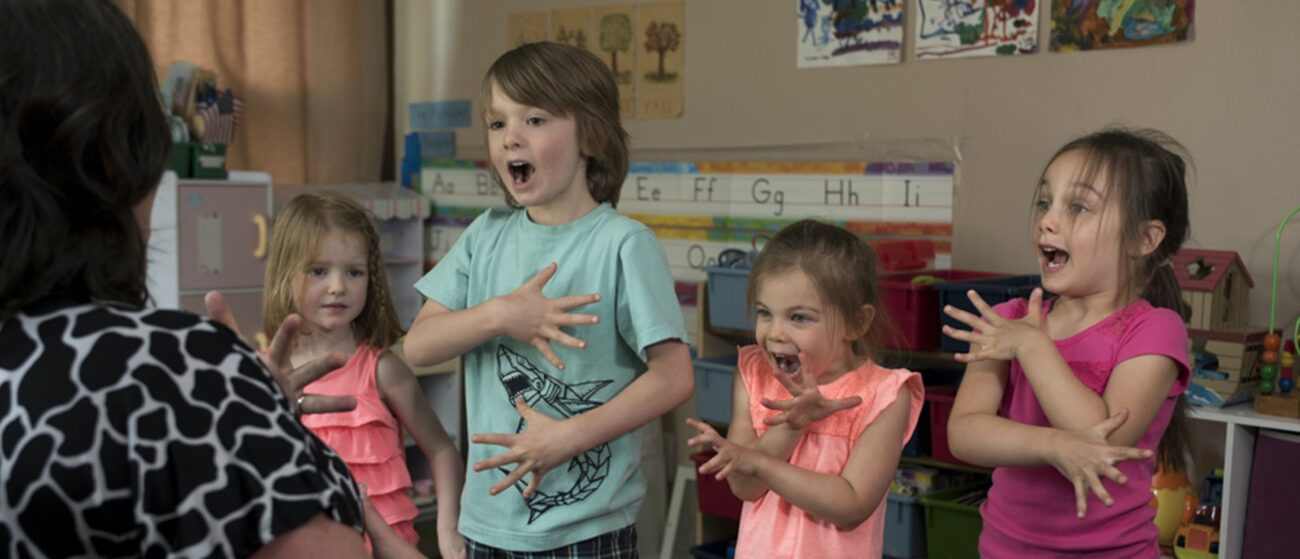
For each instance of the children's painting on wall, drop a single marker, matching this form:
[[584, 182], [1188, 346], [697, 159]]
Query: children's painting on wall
[[522, 29], [962, 28], [615, 43], [849, 32], [571, 26], [660, 67], [1107, 24]]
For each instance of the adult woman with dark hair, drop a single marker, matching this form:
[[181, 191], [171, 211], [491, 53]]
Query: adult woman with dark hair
[[127, 431]]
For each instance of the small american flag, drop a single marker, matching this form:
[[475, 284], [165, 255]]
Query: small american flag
[[220, 118], [225, 117]]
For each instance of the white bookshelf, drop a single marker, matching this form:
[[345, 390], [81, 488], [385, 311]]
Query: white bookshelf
[[1241, 426]]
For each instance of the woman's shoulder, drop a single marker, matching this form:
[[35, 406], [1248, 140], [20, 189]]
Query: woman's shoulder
[[89, 321]]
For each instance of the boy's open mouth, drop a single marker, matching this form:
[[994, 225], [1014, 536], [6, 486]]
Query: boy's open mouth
[[1055, 257], [520, 171], [788, 364]]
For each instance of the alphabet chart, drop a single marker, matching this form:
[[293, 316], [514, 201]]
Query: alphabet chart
[[697, 209]]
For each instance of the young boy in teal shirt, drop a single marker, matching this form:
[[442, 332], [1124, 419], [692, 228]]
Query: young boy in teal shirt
[[566, 414]]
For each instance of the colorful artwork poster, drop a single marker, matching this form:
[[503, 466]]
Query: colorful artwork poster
[[965, 28], [522, 29], [660, 67], [849, 32], [572, 26], [615, 42], [1109, 24]]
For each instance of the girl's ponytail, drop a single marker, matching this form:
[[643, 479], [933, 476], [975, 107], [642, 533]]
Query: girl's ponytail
[[1163, 291]]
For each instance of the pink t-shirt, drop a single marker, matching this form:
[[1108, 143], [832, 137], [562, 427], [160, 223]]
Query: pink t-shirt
[[1030, 511], [771, 526]]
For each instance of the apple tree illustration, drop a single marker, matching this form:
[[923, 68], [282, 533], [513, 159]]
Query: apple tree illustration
[[662, 38]]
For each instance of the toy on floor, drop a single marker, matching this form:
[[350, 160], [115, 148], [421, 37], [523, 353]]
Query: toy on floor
[[1198, 538], [1174, 499], [1285, 404]]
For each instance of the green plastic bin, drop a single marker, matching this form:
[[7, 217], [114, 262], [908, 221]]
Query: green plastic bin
[[952, 530]]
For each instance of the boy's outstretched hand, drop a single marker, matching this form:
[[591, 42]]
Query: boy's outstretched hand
[[731, 458], [545, 444], [1084, 457], [807, 405], [529, 316]]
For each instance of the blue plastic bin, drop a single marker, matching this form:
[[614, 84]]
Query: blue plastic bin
[[992, 290], [904, 527], [727, 308], [713, 378]]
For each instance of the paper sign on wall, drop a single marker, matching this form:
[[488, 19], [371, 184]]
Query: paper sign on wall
[[441, 114], [522, 29]]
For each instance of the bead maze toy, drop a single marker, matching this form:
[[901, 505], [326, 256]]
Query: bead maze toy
[[1285, 403]]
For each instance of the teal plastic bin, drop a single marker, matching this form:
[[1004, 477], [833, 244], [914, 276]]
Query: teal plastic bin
[[713, 379], [904, 527], [727, 308]]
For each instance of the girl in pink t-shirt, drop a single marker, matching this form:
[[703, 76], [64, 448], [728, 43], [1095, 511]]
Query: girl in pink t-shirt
[[1068, 398], [817, 427]]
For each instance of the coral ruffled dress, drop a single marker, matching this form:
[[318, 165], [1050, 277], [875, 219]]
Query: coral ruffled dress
[[368, 439]]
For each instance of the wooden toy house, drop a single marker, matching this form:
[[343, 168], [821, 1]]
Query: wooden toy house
[[1216, 285]]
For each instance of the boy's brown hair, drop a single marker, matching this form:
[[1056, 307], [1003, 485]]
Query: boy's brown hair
[[295, 241], [567, 81]]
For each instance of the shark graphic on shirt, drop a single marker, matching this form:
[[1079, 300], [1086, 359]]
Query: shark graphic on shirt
[[557, 399]]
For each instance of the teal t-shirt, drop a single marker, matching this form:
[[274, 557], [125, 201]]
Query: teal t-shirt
[[599, 490]]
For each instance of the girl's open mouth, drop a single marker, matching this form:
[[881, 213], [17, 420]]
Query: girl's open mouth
[[788, 364], [1055, 258]]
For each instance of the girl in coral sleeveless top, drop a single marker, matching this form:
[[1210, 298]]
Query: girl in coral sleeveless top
[[817, 427]]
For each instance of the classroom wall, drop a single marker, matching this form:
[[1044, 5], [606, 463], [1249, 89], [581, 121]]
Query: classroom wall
[[1231, 95]]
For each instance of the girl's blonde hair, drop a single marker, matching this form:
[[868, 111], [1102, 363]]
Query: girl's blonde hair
[[842, 268], [295, 241]]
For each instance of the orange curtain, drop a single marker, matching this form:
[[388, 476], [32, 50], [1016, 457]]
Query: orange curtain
[[314, 76]]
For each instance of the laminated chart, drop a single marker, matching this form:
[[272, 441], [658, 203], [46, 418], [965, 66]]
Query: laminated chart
[[698, 209]]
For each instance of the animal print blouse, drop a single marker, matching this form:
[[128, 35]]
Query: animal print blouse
[[153, 433]]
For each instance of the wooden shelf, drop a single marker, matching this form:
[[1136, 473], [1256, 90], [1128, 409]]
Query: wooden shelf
[[917, 360], [936, 463]]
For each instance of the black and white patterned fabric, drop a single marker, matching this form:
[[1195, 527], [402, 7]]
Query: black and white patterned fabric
[[128, 432]]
